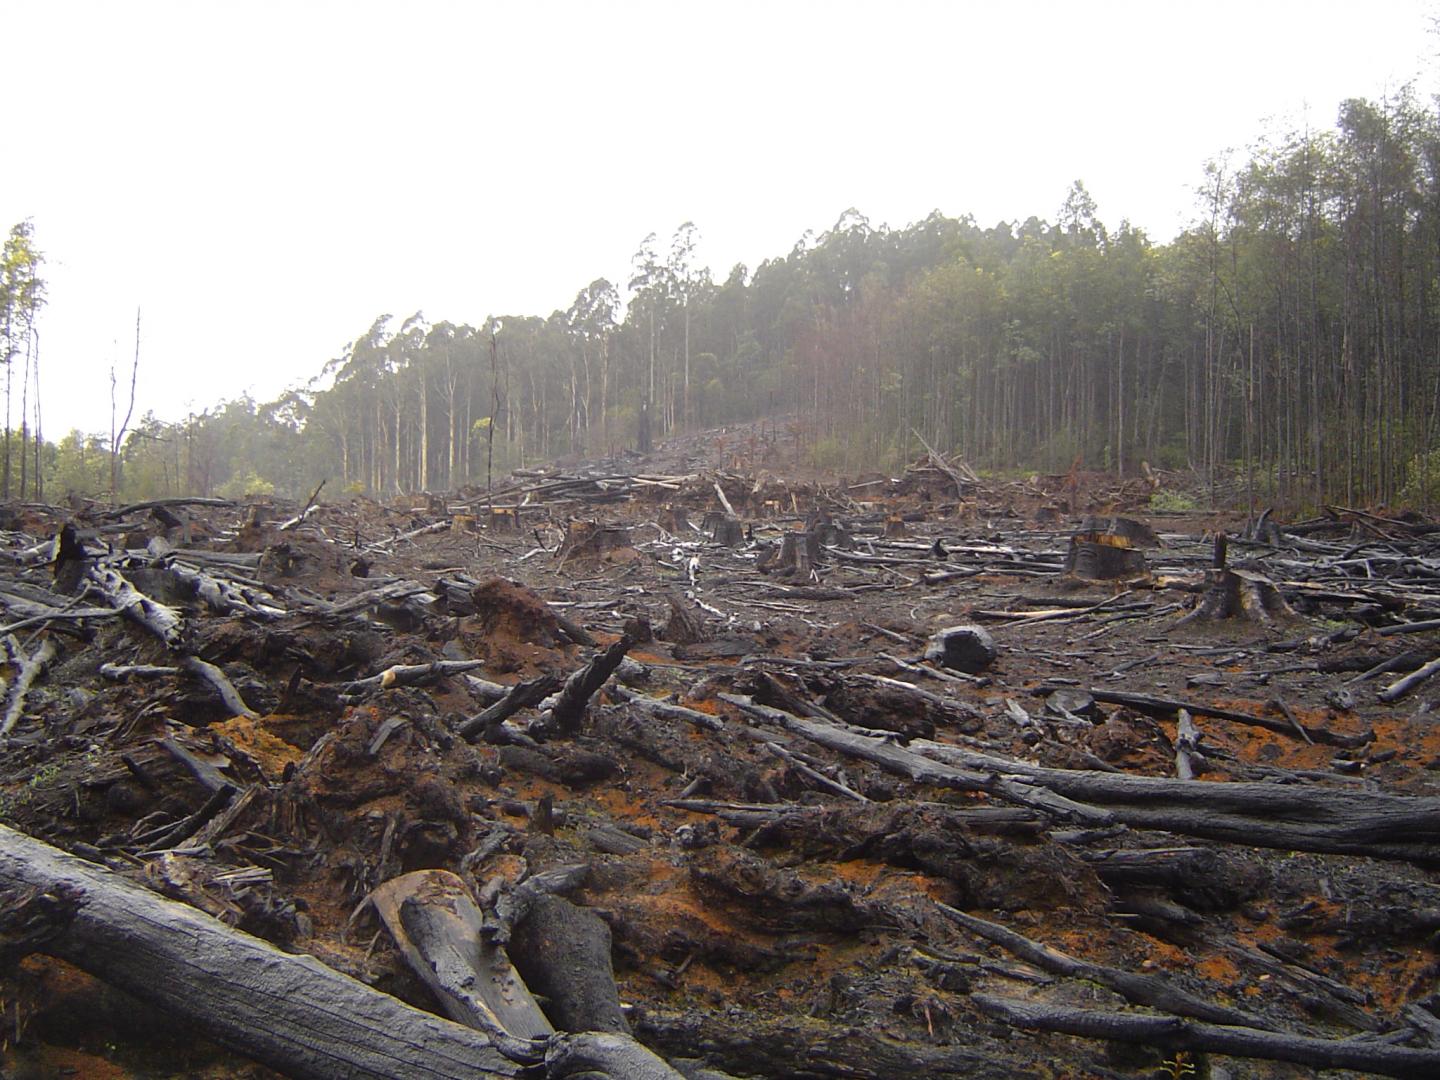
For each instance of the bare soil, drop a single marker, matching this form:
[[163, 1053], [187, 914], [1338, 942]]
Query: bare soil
[[783, 912]]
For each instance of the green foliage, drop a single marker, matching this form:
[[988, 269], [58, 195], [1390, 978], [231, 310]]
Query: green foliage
[[249, 485], [80, 466], [1422, 481], [1281, 335], [829, 453], [1165, 501]]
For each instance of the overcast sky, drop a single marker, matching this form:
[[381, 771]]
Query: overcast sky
[[263, 179]]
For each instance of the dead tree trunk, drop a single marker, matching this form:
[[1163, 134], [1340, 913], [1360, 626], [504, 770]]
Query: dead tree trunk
[[291, 1013]]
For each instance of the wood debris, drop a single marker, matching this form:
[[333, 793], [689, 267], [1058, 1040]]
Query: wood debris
[[818, 821]]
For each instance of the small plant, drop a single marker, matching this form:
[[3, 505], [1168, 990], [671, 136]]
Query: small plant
[[1178, 1066], [1422, 481], [1166, 501]]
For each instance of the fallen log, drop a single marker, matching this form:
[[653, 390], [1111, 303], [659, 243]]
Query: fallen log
[[150, 504], [164, 622], [923, 770], [195, 666], [223, 597], [1138, 989], [1170, 707], [520, 696], [1400, 687], [1288, 817], [569, 708], [222, 684], [31, 668], [406, 675], [291, 1013], [1174, 1033]]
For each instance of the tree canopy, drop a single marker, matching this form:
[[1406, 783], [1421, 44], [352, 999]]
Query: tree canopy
[[1284, 344]]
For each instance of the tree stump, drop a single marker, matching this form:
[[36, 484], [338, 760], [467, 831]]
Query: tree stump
[[1238, 594], [1102, 556], [725, 529], [675, 519], [686, 625], [799, 551], [589, 540], [970, 649], [503, 519]]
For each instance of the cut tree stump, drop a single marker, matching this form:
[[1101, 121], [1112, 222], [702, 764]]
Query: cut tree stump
[[1104, 556], [1238, 594], [591, 541], [724, 529]]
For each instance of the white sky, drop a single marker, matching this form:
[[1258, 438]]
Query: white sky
[[263, 179]]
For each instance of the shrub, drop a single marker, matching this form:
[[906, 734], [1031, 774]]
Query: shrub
[[1165, 501], [1422, 480], [247, 484]]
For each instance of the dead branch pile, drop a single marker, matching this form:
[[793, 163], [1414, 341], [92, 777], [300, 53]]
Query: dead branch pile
[[417, 789]]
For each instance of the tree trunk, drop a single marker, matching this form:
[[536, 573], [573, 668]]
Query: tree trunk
[[291, 1013]]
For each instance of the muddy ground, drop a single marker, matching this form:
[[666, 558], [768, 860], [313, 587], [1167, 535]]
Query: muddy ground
[[778, 907]]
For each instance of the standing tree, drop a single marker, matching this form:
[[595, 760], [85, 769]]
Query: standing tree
[[689, 282], [22, 294]]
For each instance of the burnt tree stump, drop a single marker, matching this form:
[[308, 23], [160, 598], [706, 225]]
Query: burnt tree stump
[[970, 649]]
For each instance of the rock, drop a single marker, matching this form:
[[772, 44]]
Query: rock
[[965, 648]]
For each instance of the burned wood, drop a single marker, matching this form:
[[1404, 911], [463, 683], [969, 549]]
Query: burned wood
[[734, 853], [441, 932], [222, 596], [207, 672], [1169, 707], [398, 675], [669, 710], [167, 836], [305, 511], [221, 682], [1173, 1033], [164, 622], [1188, 761], [1149, 990], [150, 504], [522, 695], [208, 776], [1400, 687], [30, 668], [289, 1012], [1235, 593], [32, 918], [686, 625], [569, 709]]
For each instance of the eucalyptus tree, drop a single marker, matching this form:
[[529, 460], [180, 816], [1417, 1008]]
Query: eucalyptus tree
[[689, 282], [591, 322], [649, 287], [22, 294]]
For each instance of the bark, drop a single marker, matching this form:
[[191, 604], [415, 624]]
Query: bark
[[441, 933], [31, 668], [288, 1012], [164, 622], [569, 708], [1138, 989], [1172, 1033]]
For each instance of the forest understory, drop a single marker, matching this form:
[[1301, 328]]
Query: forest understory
[[919, 775]]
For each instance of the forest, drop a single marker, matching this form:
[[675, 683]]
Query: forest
[[1282, 347]]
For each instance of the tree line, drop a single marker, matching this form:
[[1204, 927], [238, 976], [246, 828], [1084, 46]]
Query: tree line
[[1284, 346]]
